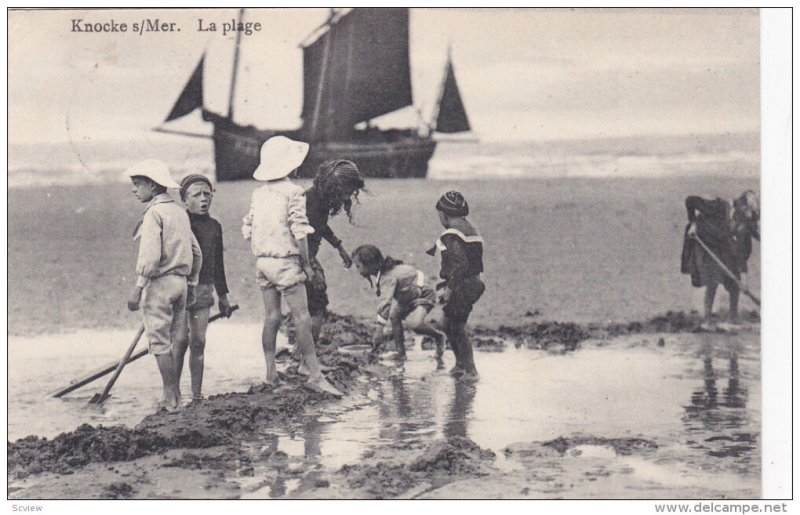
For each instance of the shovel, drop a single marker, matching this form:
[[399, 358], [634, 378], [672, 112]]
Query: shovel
[[727, 272], [100, 398]]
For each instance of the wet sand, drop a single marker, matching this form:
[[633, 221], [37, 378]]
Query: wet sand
[[610, 401], [574, 250], [639, 415]]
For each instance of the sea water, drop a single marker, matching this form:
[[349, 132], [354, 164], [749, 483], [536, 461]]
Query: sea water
[[697, 398]]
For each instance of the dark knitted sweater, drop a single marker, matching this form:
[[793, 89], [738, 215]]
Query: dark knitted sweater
[[208, 232]]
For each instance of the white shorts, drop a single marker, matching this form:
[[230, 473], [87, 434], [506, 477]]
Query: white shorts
[[279, 273]]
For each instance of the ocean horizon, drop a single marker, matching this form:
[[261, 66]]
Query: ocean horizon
[[729, 155]]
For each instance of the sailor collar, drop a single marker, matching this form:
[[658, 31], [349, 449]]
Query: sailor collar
[[466, 239]]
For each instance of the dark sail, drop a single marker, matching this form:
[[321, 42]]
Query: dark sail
[[192, 95], [362, 65], [452, 116]]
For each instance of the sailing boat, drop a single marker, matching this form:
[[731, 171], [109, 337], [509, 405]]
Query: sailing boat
[[355, 70]]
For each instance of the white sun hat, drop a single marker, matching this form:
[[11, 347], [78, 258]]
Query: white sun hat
[[154, 170], [280, 156]]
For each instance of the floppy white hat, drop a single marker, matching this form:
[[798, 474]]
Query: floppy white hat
[[279, 157], [154, 170]]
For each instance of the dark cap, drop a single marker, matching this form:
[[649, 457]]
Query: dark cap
[[191, 179], [453, 203]]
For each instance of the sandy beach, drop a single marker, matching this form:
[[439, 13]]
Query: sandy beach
[[586, 341], [579, 250]]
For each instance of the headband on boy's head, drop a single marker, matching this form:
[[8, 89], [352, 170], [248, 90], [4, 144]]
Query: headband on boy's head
[[453, 203], [191, 179]]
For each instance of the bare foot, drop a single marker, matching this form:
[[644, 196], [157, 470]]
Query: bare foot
[[302, 369], [470, 376], [708, 325], [273, 380], [321, 385], [168, 406], [440, 345]]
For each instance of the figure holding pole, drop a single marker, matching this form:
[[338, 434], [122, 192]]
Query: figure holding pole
[[717, 244]]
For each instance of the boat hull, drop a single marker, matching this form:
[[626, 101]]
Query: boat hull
[[389, 154]]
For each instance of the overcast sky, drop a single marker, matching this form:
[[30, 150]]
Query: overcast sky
[[523, 73]]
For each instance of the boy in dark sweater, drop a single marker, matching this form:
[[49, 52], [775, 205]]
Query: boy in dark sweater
[[461, 248], [196, 194]]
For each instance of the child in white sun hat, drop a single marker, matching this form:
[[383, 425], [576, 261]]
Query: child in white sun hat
[[167, 267], [277, 226]]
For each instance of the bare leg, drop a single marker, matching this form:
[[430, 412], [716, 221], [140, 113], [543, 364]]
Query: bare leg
[[466, 352], [198, 324], [176, 329], [399, 337], [417, 322], [734, 305], [167, 368], [317, 321], [272, 321], [451, 331], [708, 301], [179, 350], [298, 303]]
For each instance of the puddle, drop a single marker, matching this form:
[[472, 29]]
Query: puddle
[[39, 365], [697, 398]]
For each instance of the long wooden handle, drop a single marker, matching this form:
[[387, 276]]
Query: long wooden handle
[[110, 367], [726, 271], [122, 363]]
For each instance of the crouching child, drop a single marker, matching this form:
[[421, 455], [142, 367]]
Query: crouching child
[[403, 297]]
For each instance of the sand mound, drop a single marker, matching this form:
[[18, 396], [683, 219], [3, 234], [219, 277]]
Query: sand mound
[[456, 458], [561, 336]]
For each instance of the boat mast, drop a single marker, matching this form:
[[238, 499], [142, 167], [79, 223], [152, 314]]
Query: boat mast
[[235, 66], [321, 81]]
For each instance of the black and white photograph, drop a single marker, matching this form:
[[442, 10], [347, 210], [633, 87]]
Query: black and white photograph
[[373, 253]]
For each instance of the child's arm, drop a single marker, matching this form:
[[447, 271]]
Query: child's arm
[[149, 256], [297, 219], [247, 222], [302, 244], [299, 226], [220, 281], [327, 234], [194, 275], [454, 263], [386, 288], [149, 248]]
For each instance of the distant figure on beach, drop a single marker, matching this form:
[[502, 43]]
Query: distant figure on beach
[[277, 227], [403, 296], [461, 248], [335, 187], [726, 227], [196, 194], [167, 269]]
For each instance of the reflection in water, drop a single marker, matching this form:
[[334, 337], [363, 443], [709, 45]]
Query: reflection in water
[[406, 409], [460, 409], [278, 487], [312, 439], [723, 416]]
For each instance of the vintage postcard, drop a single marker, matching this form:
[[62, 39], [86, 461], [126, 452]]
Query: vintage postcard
[[397, 253]]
